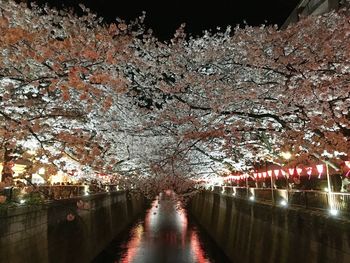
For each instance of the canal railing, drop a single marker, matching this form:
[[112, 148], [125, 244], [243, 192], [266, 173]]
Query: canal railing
[[55, 192], [334, 202]]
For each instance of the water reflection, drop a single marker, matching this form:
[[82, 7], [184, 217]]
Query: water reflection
[[166, 236]]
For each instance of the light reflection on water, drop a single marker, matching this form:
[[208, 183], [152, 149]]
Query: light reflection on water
[[166, 236]]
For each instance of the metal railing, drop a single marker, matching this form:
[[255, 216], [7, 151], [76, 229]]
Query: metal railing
[[55, 192], [309, 199]]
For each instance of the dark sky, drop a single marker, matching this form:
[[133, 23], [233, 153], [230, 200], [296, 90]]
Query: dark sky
[[164, 17]]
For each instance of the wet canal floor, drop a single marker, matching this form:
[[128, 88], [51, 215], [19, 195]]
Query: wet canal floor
[[166, 234]]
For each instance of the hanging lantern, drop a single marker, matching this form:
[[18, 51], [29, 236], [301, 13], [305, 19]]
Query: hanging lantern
[[299, 170], [347, 163], [319, 168], [291, 171], [255, 175], [259, 175], [284, 173], [309, 171], [276, 172], [269, 172], [264, 174]]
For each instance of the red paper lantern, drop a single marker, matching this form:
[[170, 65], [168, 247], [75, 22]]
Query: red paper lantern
[[319, 168], [309, 171]]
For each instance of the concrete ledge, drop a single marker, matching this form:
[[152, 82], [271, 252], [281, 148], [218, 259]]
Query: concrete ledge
[[43, 234], [251, 232]]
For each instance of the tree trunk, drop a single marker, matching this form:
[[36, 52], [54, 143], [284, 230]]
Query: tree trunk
[[7, 171]]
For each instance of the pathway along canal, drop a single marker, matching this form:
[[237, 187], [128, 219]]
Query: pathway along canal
[[165, 234]]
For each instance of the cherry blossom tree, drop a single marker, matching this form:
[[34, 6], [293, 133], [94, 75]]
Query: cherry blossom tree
[[115, 99], [58, 73]]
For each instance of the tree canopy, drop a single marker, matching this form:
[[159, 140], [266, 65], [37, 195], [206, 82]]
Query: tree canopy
[[115, 99]]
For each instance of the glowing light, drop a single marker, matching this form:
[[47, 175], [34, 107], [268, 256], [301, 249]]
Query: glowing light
[[347, 163], [309, 171], [269, 172], [86, 189], [319, 168], [276, 172], [326, 189], [22, 201], [286, 155], [251, 198], [133, 245], [283, 202], [333, 212], [197, 249], [31, 152], [299, 170], [291, 171], [264, 174]]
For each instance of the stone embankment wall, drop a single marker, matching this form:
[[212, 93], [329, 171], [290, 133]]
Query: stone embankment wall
[[43, 234], [250, 232]]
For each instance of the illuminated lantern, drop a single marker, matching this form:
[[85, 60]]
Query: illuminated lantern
[[319, 168], [347, 163], [269, 172], [276, 172], [264, 174], [255, 175], [283, 173], [299, 170], [309, 171], [259, 175], [291, 171]]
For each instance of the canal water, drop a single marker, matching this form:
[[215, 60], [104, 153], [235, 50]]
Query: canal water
[[166, 234]]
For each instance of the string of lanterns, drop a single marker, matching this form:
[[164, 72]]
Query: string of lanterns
[[317, 170]]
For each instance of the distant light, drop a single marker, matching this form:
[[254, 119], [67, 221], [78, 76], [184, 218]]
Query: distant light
[[251, 198], [284, 202], [333, 212], [41, 171], [286, 155], [234, 193], [86, 189], [326, 189], [22, 201], [223, 191]]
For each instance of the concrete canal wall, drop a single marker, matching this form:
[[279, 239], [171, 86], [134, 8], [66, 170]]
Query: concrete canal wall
[[43, 234], [251, 232]]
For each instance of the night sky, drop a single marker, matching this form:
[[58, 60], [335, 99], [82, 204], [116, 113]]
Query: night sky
[[164, 17]]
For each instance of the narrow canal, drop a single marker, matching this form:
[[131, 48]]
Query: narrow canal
[[166, 234]]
